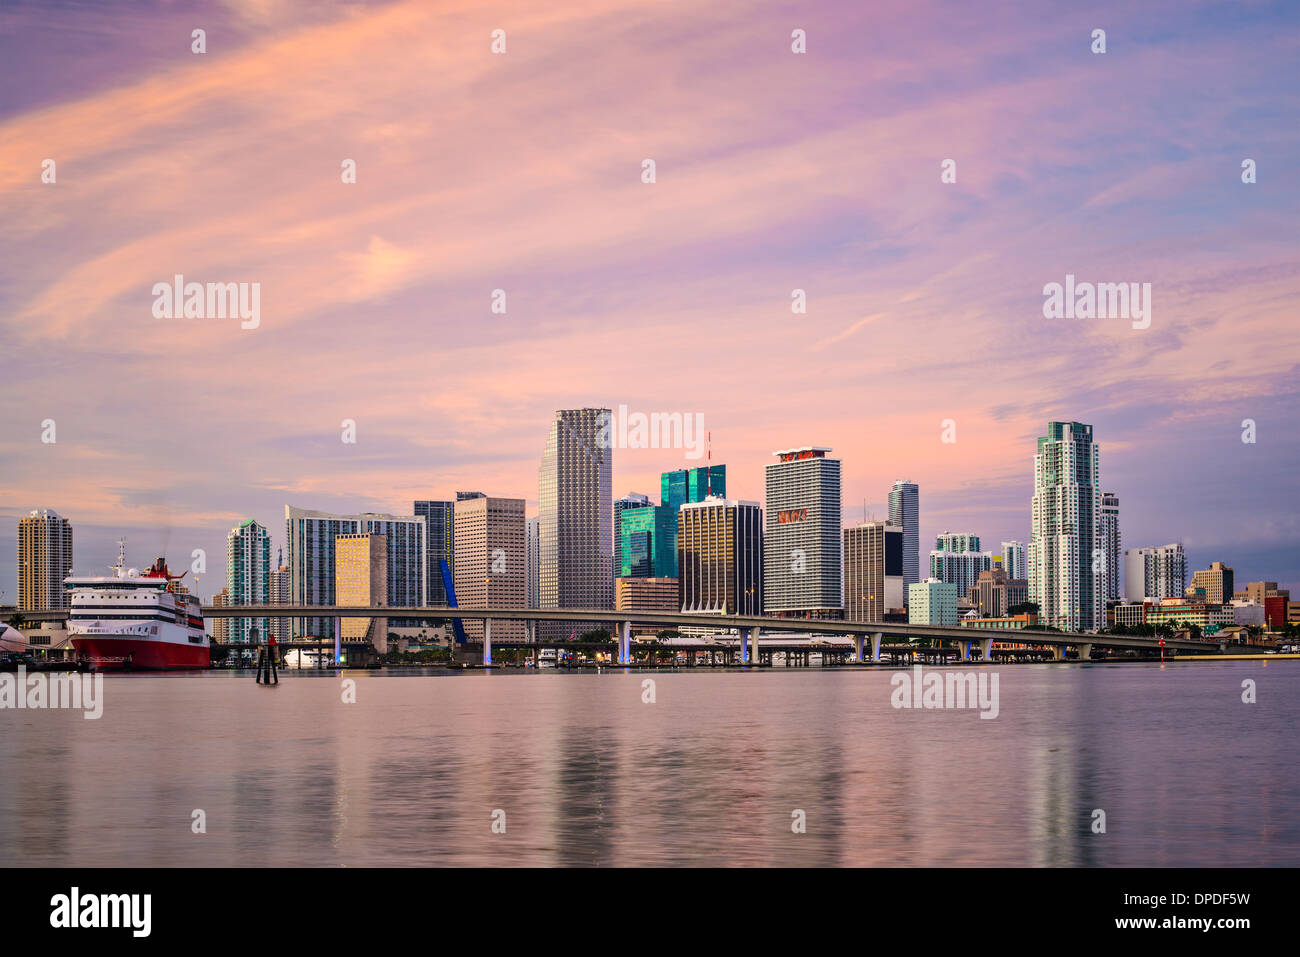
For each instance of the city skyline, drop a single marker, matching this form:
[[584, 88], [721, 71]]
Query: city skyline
[[749, 205], [212, 582]]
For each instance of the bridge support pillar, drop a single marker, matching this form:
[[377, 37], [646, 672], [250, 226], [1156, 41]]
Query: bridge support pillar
[[1085, 651], [986, 649], [1058, 653], [963, 647], [487, 642], [857, 646], [744, 646], [625, 643], [338, 640], [875, 645]]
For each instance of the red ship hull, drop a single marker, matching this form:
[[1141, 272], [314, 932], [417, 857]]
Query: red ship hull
[[111, 654]]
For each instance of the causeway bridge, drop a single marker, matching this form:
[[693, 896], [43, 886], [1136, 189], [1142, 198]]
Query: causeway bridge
[[866, 637]]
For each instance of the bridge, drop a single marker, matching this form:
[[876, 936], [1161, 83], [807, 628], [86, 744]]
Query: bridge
[[867, 636]]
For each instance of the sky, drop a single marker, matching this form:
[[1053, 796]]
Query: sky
[[522, 171]]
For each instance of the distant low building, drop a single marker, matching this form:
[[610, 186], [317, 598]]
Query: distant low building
[[932, 602], [1210, 617]]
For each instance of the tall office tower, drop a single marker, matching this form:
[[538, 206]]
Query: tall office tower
[[1013, 560], [44, 560], [361, 580], [280, 596], [221, 626], [631, 500], [1158, 572], [649, 543], [802, 561], [959, 566], [905, 512], [576, 522], [248, 578], [438, 545], [1217, 580], [1110, 547], [720, 555], [932, 602], [533, 558], [692, 485], [311, 537], [1065, 541], [680, 486], [873, 571], [491, 560]]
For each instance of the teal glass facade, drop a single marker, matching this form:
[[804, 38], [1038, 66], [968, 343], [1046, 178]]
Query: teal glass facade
[[649, 546], [692, 485]]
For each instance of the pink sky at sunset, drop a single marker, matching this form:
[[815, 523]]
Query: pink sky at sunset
[[521, 171]]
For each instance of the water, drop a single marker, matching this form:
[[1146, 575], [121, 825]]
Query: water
[[710, 774]]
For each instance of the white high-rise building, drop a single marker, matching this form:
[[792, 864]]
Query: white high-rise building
[[802, 545], [1013, 560], [1110, 544], [1065, 548], [905, 512], [1155, 573], [575, 531], [491, 561], [248, 579]]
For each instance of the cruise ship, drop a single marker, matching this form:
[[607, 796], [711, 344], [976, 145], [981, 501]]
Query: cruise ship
[[135, 620]]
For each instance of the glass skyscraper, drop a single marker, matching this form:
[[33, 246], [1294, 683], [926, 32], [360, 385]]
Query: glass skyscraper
[[649, 546], [439, 545], [905, 512], [692, 485]]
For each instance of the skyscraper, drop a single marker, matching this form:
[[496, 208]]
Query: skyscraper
[[44, 560], [1158, 572], [678, 487], [438, 545], [905, 512], [1014, 560], [720, 556], [802, 561], [248, 579], [311, 535], [873, 571], [491, 561], [575, 515], [630, 500], [1110, 547], [1065, 547], [649, 542], [957, 560]]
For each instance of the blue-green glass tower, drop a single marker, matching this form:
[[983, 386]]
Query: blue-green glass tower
[[682, 486], [649, 546]]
